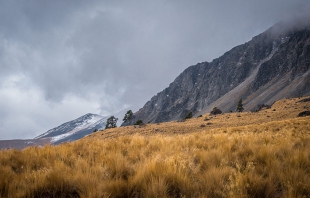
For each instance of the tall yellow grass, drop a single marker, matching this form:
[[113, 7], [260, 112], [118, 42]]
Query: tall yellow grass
[[230, 162], [271, 159]]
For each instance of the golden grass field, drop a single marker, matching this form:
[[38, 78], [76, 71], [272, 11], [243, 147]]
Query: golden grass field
[[262, 154]]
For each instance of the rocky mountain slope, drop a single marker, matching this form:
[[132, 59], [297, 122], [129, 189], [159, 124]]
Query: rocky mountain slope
[[75, 129], [272, 66]]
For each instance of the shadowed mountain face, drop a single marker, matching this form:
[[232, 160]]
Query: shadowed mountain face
[[272, 66]]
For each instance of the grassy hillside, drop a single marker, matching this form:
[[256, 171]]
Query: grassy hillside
[[281, 110], [263, 154]]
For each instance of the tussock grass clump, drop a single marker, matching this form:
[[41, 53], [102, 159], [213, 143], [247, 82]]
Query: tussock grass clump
[[269, 159]]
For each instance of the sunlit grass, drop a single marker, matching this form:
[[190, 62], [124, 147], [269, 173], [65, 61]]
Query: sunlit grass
[[266, 159]]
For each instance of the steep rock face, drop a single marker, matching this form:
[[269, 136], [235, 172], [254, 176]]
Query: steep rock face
[[272, 66]]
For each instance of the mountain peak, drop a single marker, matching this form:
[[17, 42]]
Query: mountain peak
[[75, 129], [289, 26]]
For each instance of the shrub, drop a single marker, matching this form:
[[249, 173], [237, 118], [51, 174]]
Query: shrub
[[304, 113], [189, 115], [305, 100], [139, 122], [262, 106], [215, 111]]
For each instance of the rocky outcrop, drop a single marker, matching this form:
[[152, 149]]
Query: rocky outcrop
[[272, 66]]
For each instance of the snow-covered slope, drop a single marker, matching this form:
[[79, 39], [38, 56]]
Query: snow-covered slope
[[75, 129]]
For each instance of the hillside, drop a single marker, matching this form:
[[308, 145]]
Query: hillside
[[281, 110], [272, 66], [262, 154]]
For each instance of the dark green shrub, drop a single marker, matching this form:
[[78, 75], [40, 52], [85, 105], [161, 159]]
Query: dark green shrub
[[215, 111], [139, 122], [240, 106], [189, 115]]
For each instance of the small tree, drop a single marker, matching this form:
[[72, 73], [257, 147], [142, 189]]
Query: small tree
[[111, 122], [128, 116], [189, 115], [240, 106], [139, 122]]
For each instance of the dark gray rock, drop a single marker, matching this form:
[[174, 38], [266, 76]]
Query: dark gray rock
[[272, 66]]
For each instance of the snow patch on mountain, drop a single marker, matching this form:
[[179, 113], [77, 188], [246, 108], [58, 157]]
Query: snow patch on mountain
[[60, 137], [75, 129], [82, 122]]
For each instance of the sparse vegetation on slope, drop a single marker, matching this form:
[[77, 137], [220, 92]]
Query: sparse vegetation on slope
[[262, 157]]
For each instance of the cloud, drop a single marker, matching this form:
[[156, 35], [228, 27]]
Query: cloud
[[20, 98], [61, 59]]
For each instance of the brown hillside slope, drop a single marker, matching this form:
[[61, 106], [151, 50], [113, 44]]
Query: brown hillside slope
[[264, 154], [280, 110]]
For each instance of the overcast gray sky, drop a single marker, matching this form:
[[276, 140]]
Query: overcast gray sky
[[62, 59]]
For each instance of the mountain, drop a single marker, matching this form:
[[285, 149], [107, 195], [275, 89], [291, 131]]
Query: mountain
[[75, 129], [67, 132], [272, 66]]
